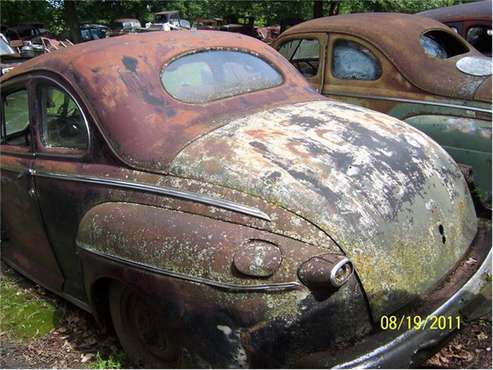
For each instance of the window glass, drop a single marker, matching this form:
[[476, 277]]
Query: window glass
[[433, 48], [353, 61], [441, 45], [480, 38], [62, 122], [304, 54], [16, 113], [211, 75]]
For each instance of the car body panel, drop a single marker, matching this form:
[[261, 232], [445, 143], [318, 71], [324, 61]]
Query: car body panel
[[321, 159], [115, 92], [138, 206], [404, 91]]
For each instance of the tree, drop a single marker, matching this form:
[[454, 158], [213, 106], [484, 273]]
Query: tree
[[318, 8], [71, 19]]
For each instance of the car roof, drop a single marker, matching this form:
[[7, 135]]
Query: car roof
[[118, 79], [479, 10], [397, 36]]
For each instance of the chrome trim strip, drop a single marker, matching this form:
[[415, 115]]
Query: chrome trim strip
[[375, 358], [411, 101], [199, 198], [194, 279]]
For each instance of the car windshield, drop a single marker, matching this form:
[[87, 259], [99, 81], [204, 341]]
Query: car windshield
[[5, 48], [214, 74]]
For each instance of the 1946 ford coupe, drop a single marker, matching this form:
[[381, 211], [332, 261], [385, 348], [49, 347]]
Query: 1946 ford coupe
[[191, 190]]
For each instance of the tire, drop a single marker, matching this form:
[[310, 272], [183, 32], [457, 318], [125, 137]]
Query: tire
[[149, 338]]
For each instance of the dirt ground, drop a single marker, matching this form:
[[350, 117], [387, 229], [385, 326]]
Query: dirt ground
[[75, 341]]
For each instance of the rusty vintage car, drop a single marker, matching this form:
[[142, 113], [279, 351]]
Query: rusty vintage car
[[410, 67], [471, 20], [191, 190]]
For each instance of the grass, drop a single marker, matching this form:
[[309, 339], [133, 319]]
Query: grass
[[115, 361], [22, 314]]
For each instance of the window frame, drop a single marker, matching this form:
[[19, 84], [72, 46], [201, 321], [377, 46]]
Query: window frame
[[202, 50], [43, 151], [333, 42], [319, 79], [7, 88]]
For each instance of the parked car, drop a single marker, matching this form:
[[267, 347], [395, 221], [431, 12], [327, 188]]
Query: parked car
[[26, 32], [443, 87], [169, 20], [472, 21], [91, 31], [244, 25], [123, 26], [9, 58], [193, 191]]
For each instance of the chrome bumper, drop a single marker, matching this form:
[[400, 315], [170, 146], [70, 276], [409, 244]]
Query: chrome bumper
[[401, 351]]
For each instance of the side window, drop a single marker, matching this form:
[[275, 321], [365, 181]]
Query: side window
[[304, 54], [353, 61], [15, 130], [62, 122], [480, 38]]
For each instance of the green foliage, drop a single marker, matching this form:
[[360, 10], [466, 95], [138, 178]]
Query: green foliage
[[116, 361], [50, 12], [22, 314]]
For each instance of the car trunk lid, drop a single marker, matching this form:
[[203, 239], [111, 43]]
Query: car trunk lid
[[393, 200]]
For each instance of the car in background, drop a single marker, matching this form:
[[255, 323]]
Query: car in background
[[244, 25], [123, 26], [169, 20], [9, 58], [217, 212], [471, 20], [26, 32], [442, 87], [91, 31]]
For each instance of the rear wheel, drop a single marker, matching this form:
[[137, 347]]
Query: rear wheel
[[149, 337]]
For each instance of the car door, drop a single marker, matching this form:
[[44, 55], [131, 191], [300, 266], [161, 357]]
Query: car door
[[306, 52], [62, 146], [25, 244]]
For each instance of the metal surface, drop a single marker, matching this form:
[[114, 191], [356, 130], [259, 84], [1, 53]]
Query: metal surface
[[445, 79], [413, 101], [220, 203], [127, 92], [383, 206], [171, 192], [404, 347], [475, 66], [477, 10], [195, 279]]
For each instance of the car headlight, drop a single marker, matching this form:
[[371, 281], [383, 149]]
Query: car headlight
[[328, 270], [258, 258]]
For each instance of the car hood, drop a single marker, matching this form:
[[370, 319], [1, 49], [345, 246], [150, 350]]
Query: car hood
[[393, 200]]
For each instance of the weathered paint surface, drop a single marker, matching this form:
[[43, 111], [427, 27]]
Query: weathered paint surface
[[451, 133], [393, 200]]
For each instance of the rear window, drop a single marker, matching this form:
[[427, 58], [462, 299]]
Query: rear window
[[215, 74], [442, 45]]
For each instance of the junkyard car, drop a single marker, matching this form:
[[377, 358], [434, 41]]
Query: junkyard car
[[410, 67], [123, 26], [471, 20], [193, 191]]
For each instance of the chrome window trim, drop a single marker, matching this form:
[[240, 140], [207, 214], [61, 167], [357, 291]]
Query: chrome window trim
[[411, 101], [39, 130], [167, 191], [195, 279]]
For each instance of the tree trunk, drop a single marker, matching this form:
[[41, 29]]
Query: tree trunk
[[318, 8], [334, 7], [70, 15]]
